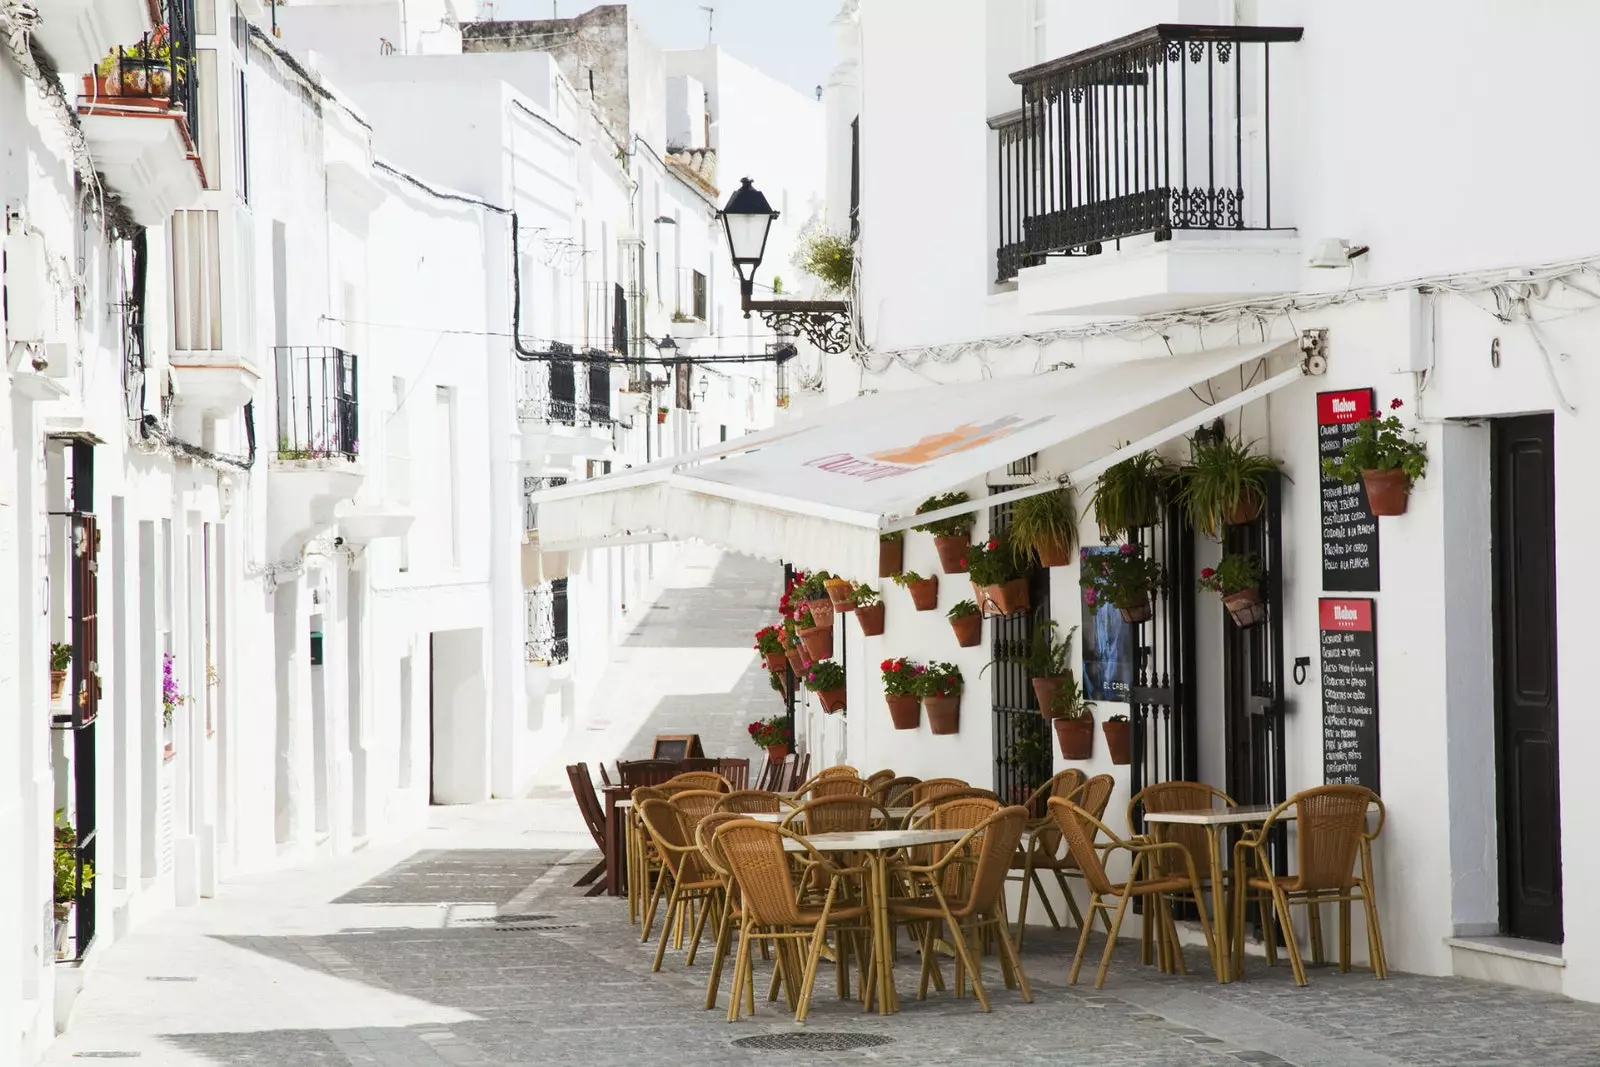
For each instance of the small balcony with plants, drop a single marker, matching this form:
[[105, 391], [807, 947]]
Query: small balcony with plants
[[691, 316], [315, 457], [1144, 174], [565, 404], [137, 107], [77, 33]]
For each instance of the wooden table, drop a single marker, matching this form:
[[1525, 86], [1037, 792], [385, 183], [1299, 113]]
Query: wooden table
[[876, 845], [618, 803]]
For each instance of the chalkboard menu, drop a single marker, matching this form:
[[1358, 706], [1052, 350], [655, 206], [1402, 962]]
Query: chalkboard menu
[[1349, 692], [1349, 530]]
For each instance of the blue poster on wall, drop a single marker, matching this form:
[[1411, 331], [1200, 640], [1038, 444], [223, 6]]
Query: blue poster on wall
[[1107, 643]]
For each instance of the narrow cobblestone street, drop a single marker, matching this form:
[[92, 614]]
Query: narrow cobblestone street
[[468, 946]]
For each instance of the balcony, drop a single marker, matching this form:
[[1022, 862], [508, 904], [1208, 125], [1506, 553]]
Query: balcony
[[564, 405], [690, 319], [545, 623], [1137, 176], [314, 465], [605, 318], [77, 34], [135, 110]]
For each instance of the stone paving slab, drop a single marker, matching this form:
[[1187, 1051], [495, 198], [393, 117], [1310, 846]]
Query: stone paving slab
[[493, 876]]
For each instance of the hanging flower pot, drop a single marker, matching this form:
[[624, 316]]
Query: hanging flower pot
[[944, 714], [1119, 738], [775, 661], [924, 591], [797, 662], [952, 551], [1237, 579], [839, 592], [1246, 509], [950, 536], [826, 679], [870, 616], [777, 753], [661, 416], [967, 622], [817, 641], [1246, 607], [1044, 691], [1388, 491], [832, 699], [940, 685], [1139, 611], [1054, 553], [821, 609], [905, 710], [1008, 598], [891, 555], [1076, 737]]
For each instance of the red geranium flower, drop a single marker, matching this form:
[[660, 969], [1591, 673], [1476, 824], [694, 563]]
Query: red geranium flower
[[992, 545], [1395, 404], [963, 562], [1207, 572]]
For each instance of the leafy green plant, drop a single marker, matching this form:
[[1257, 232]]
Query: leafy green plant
[[863, 595], [67, 884], [956, 525], [1234, 573], [900, 676], [1130, 494], [825, 675], [829, 257], [812, 586], [940, 680], [773, 731], [992, 563], [1379, 444], [1125, 578], [60, 656], [1043, 523], [898, 535], [769, 641], [805, 620], [1068, 701], [1223, 477], [962, 610], [1050, 656], [1028, 750], [905, 578]]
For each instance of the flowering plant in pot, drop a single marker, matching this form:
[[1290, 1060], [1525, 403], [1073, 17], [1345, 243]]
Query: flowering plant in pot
[[997, 579], [812, 592], [1126, 579], [769, 642], [1045, 525], [1131, 494], [171, 695], [900, 692], [1386, 457], [1119, 739], [1071, 715], [773, 735], [924, 591], [967, 622], [1225, 483], [826, 679], [60, 660], [793, 649], [1237, 579], [840, 592], [816, 640], [950, 536], [940, 687], [869, 609], [891, 553], [789, 602], [1049, 661]]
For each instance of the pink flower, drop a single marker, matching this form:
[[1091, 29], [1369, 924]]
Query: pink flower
[[1128, 550], [1088, 597]]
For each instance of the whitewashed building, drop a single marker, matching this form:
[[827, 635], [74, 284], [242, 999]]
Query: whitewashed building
[[1145, 218]]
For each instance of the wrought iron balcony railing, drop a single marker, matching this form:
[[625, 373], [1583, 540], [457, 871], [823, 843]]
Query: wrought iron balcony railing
[[1166, 129], [545, 620], [565, 391], [317, 405]]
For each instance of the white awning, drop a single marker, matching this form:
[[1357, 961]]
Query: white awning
[[818, 491]]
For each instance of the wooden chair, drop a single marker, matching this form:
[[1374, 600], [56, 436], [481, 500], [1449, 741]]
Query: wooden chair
[[735, 770], [751, 802], [646, 771], [797, 773], [1042, 840], [774, 777], [1330, 837], [594, 817], [1079, 829], [692, 881], [698, 780]]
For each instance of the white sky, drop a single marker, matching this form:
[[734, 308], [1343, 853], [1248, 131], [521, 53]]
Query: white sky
[[787, 39]]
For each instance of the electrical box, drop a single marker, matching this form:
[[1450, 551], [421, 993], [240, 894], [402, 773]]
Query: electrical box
[[30, 307]]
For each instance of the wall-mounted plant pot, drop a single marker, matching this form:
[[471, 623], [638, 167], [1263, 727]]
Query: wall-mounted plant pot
[[925, 594], [944, 714], [904, 711], [1119, 739], [818, 642], [1075, 737], [969, 630], [1246, 509], [661, 416], [775, 661], [101, 85], [777, 753], [1139, 612], [821, 609], [891, 557], [953, 552], [832, 699], [797, 662], [1008, 599], [58, 685], [1387, 491], [1246, 608], [839, 592], [1045, 690], [1053, 554], [870, 617]]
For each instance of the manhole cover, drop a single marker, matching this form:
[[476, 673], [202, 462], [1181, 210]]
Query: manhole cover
[[813, 1041], [513, 928], [106, 1055], [507, 918]]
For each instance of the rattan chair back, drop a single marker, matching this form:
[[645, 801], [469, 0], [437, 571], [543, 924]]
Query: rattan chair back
[[1178, 796], [1330, 822], [893, 793], [835, 785], [751, 802], [700, 780], [705, 836], [990, 847], [920, 812], [1093, 795], [838, 768], [877, 778], [832, 815], [754, 854], [646, 792], [936, 787], [696, 803], [1078, 828], [673, 834]]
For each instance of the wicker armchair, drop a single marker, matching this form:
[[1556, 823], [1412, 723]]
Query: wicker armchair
[[692, 880], [698, 780], [751, 802], [1047, 852], [827, 815], [1041, 839], [729, 915], [890, 793], [696, 803], [643, 862], [1196, 840], [1331, 835]]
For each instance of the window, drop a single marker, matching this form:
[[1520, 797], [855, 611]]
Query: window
[[698, 289], [196, 281], [241, 140], [447, 501]]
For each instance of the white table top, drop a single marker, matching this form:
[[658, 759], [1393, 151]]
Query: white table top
[[779, 816], [875, 840], [1240, 815]]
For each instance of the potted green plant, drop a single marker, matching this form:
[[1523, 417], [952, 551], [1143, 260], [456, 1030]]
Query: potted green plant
[[1119, 739], [1072, 717], [812, 591], [1126, 578], [840, 592], [950, 536], [816, 640], [826, 679], [1225, 483], [869, 609], [967, 622], [1237, 579], [924, 591], [900, 692], [940, 687], [773, 735], [1049, 661], [769, 642], [793, 648], [1386, 457], [998, 582], [1130, 494], [60, 660], [67, 885], [1045, 525], [891, 553], [661, 416]]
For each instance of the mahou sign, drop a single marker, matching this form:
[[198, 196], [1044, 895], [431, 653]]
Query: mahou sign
[[1349, 530], [1349, 692]]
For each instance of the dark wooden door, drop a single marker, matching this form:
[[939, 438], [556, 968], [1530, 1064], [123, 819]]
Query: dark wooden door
[[1525, 671]]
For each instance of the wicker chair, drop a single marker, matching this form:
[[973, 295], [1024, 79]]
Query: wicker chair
[[841, 814], [1330, 836], [890, 793], [964, 889], [1079, 829], [770, 904], [692, 881], [921, 811], [698, 780], [729, 916], [696, 803], [643, 860], [1041, 839], [751, 802], [1179, 796], [1048, 854]]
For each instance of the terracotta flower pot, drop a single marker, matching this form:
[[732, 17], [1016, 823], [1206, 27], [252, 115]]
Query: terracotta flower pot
[[1076, 737], [1246, 509], [839, 594], [925, 594], [777, 753], [905, 711], [796, 660], [1119, 736], [821, 610], [969, 630], [818, 642], [832, 699], [944, 714], [953, 552], [1045, 690], [1007, 599], [871, 619], [1053, 554], [58, 684], [102, 85], [1246, 607], [1387, 491], [891, 557], [775, 661], [1139, 612]]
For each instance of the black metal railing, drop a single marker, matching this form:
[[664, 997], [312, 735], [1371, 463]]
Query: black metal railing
[[1022, 737], [598, 403], [1166, 129], [545, 621], [317, 405]]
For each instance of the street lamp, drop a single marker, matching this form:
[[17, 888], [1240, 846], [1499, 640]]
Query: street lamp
[[747, 221]]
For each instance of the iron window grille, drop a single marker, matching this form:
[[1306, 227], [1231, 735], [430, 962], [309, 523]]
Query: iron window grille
[[318, 411], [546, 623], [1022, 737]]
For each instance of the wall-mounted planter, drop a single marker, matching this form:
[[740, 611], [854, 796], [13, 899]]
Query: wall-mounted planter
[[905, 711], [1139, 612], [1388, 492], [818, 642], [925, 594], [1246, 608], [1008, 599], [797, 662], [1076, 737], [1119, 739], [891, 557], [1044, 690], [944, 714], [832, 699], [777, 753], [821, 609], [870, 616], [775, 661], [953, 552], [839, 592], [1053, 554], [969, 630]]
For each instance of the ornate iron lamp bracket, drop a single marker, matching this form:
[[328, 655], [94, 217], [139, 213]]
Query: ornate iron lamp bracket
[[825, 323]]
